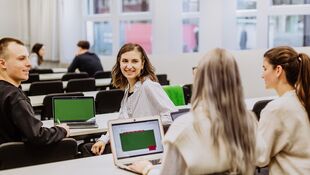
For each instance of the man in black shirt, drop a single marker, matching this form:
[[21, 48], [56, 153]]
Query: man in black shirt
[[17, 121], [85, 61]]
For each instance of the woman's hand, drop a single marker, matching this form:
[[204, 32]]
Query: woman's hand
[[98, 147]]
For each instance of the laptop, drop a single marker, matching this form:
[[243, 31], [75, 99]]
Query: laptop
[[136, 139], [175, 115], [78, 112]]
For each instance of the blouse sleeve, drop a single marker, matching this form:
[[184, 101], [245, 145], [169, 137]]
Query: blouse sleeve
[[160, 100], [271, 137], [173, 162]]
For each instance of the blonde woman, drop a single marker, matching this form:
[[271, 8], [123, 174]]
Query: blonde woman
[[218, 135], [284, 128]]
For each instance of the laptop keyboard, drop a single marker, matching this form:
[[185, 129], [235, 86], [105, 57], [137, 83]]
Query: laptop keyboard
[[80, 123], [154, 162]]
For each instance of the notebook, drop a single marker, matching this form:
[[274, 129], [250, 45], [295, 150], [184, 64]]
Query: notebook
[[136, 139], [77, 111], [175, 115]]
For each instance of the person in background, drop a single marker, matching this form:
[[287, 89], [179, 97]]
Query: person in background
[[17, 119], [284, 128], [218, 135], [36, 56], [143, 95], [85, 61]]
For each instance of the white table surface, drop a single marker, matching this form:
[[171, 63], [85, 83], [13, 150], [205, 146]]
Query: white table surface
[[96, 165]]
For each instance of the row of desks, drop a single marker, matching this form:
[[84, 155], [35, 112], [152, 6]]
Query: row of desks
[[99, 82]]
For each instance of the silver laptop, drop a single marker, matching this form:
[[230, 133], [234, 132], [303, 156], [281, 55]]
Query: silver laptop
[[77, 111], [175, 115], [136, 139]]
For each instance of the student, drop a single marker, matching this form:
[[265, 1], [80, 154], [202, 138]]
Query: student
[[218, 135], [17, 120], [284, 127], [36, 56], [143, 94], [85, 61]]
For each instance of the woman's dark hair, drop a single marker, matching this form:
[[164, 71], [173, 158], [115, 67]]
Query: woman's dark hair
[[35, 49], [148, 71], [297, 70]]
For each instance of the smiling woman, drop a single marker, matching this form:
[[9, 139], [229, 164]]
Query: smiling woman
[[143, 95]]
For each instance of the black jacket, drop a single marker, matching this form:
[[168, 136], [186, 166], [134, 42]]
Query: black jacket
[[87, 62], [17, 121]]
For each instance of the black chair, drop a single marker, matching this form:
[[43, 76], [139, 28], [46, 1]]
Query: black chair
[[74, 75], [162, 79], [187, 90], [41, 71], [103, 74], [47, 112], [81, 85], [33, 77], [45, 87], [19, 154], [259, 106], [108, 101]]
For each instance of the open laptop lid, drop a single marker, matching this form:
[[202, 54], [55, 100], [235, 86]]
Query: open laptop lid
[[73, 109], [136, 139], [175, 115]]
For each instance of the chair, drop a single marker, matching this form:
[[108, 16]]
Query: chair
[[41, 71], [187, 89], [108, 101], [162, 79], [259, 106], [33, 77], [18, 154], [45, 87], [81, 85], [47, 112], [74, 75], [175, 93], [103, 74]]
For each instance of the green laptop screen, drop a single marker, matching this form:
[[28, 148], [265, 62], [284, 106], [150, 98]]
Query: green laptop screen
[[73, 109], [143, 139]]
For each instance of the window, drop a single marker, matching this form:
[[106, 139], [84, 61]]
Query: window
[[98, 6], [190, 26], [289, 2], [293, 30], [135, 6], [246, 36], [137, 32], [246, 4], [99, 34]]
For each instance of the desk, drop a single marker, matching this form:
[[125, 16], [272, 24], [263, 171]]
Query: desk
[[99, 82], [37, 100], [60, 70], [96, 165], [51, 76], [101, 120]]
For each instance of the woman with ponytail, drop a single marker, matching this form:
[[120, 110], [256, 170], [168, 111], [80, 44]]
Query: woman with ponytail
[[283, 136]]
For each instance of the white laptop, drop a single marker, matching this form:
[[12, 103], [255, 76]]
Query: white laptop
[[136, 139]]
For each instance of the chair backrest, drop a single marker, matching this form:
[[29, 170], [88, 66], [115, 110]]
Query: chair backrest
[[41, 71], [74, 75], [187, 89], [103, 74], [47, 112], [108, 101], [45, 87], [33, 77], [259, 106], [81, 85], [175, 93], [162, 79], [18, 154]]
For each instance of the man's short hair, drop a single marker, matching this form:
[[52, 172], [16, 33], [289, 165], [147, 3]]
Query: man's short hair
[[4, 42], [83, 44]]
